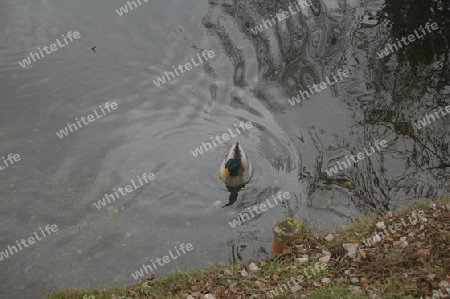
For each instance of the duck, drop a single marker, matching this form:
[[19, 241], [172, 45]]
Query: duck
[[236, 169]]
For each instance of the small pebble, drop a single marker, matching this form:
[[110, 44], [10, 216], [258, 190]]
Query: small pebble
[[355, 289], [244, 273], [253, 267], [376, 238], [326, 280], [403, 244], [351, 249], [380, 225], [228, 272], [431, 276], [302, 260], [444, 284], [325, 259], [329, 238], [326, 253]]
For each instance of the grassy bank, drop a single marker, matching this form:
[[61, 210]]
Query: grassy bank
[[408, 257]]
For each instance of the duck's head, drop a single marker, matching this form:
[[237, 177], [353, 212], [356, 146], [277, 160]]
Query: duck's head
[[231, 168]]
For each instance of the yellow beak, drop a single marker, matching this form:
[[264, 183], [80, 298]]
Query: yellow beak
[[225, 173]]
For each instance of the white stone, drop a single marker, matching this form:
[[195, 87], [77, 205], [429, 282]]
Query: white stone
[[302, 260], [326, 280], [209, 296], [380, 225], [253, 267], [325, 259], [351, 249], [355, 289], [444, 284], [326, 253], [244, 273], [329, 238], [376, 238], [228, 272]]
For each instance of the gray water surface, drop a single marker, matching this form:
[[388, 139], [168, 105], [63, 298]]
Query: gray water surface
[[154, 129]]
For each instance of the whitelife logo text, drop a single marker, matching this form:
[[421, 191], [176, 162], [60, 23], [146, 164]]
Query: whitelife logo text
[[411, 38], [31, 240], [323, 85], [166, 259], [53, 48], [187, 67], [128, 189], [199, 151], [90, 118]]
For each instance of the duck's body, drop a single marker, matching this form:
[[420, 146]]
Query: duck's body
[[236, 169]]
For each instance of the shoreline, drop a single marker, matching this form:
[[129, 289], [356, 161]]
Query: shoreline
[[364, 271]]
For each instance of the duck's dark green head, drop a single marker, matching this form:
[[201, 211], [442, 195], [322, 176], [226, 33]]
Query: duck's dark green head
[[231, 168]]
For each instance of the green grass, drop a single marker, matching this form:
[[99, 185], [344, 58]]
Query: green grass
[[333, 291]]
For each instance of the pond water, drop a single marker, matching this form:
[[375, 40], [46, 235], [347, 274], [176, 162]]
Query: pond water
[[155, 129]]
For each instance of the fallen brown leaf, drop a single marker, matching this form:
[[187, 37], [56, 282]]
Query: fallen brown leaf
[[424, 251], [233, 288], [261, 285]]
